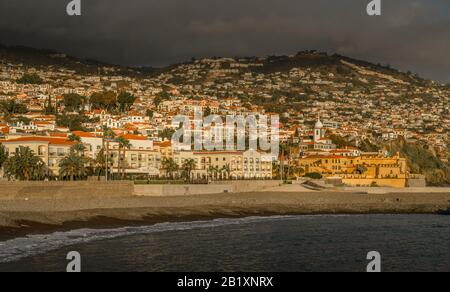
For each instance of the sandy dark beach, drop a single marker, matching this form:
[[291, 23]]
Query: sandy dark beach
[[22, 217]]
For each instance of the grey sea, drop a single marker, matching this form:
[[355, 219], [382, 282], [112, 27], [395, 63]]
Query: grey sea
[[255, 244]]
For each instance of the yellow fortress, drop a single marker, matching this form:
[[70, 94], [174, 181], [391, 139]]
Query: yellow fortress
[[367, 169]]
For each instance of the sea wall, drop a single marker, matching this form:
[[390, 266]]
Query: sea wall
[[417, 183], [116, 189], [180, 190], [392, 182], [213, 188], [246, 186], [63, 190]]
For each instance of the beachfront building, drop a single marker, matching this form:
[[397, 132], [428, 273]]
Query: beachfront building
[[367, 169], [50, 150], [140, 158], [214, 165]]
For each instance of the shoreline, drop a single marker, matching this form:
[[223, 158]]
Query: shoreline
[[33, 228], [19, 218]]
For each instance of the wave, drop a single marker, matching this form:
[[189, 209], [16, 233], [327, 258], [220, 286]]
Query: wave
[[32, 245]]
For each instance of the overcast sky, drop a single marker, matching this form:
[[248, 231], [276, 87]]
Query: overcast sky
[[410, 35]]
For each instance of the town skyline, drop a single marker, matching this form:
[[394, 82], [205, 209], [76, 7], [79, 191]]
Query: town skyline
[[363, 109]]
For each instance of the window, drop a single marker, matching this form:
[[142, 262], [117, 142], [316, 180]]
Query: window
[[60, 151], [41, 150]]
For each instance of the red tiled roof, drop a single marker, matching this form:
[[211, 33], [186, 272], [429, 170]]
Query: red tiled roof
[[134, 137], [325, 157], [52, 141], [58, 135], [216, 152], [83, 134], [163, 144]]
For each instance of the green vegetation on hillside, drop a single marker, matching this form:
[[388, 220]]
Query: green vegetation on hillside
[[422, 160], [30, 79]]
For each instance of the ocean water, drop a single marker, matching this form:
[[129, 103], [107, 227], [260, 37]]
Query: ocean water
[[256, 244]]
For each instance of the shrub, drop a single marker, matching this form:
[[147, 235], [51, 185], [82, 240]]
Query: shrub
[[314, 175]]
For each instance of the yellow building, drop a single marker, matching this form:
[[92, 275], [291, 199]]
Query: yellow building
[[50, 150], [368, 169], [228, 164]]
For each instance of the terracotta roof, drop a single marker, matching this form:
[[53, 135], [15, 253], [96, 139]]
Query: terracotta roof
[[324, 157], [216, 152], [83, 134], [58, 135], [163, 144], [134, 137], [52, 141]]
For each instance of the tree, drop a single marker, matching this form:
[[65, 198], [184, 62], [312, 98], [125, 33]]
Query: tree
[[207, 112], [49, 109], [78, 148], [73, 122], [166, 134], [99, 164], [30, 79], [125, 100], [74, 138], [213, 172], [72, 166], [73, 102], [41, 171], [314, 175], [24, 120], [23, 165], [3, 156], [160, 98], [339, 141], [170, 166], [108, 133], [123, 145], [188, 167], [12, 107], [226, 169], [149, 113], [106, 100]]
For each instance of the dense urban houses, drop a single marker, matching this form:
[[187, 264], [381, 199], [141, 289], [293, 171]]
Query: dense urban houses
[[328, 106]]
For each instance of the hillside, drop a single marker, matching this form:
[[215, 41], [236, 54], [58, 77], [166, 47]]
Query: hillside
[[47, 58]]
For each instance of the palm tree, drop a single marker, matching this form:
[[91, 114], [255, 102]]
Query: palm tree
[[170, 166], [72, 166], [108, 133], [79, 148], [74, 138], [41, 171], [188, 167], [23, 164], [213, 171], [226, 169], [3, 156], [99, 164], [123, 145]]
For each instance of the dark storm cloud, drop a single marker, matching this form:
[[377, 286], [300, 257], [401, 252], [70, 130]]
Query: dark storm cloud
[[411, 34]]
